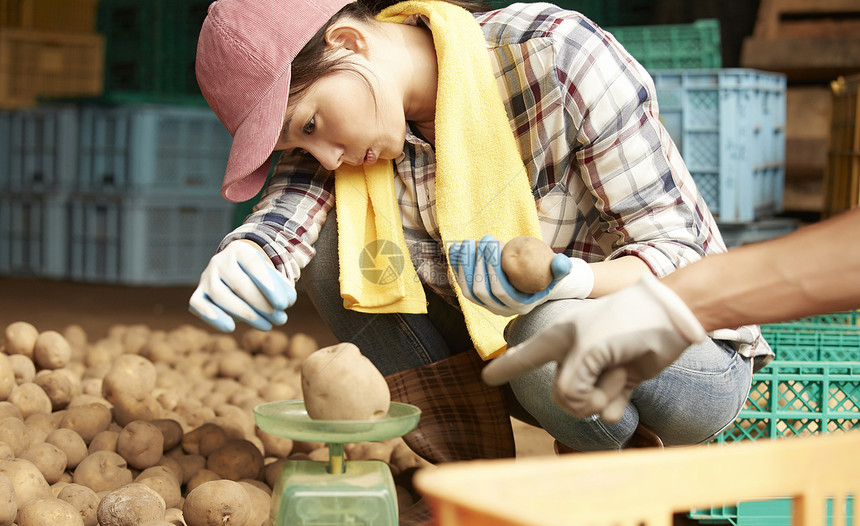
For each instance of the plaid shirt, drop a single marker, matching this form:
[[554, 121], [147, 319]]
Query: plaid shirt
[[607, 179]]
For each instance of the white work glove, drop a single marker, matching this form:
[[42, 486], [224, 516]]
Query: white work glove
[[240, 283], [605, 348], [478, 269]]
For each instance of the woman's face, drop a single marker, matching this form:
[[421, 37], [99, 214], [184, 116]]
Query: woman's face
[[339, 121]]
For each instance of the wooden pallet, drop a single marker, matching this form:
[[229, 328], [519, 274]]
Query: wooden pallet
[[842, 178], [808, 40]]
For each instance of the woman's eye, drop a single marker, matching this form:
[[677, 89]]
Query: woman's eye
[[309, 126]]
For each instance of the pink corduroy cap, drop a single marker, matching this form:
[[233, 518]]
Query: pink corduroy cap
[[243, 67]]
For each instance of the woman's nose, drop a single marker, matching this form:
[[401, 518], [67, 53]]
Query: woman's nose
[[329, 156]]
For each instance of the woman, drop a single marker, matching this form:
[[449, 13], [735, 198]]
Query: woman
[[448, 133]]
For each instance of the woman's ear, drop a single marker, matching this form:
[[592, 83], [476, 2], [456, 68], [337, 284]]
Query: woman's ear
[[347, 37]]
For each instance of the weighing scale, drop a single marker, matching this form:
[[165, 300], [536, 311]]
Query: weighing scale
[[351, 492]]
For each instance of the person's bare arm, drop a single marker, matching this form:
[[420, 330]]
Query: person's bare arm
[[814, 270]]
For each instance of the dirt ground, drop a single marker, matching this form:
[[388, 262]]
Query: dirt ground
[[53, 305]]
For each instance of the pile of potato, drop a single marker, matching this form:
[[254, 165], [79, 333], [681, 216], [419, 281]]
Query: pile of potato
[[152, 428]]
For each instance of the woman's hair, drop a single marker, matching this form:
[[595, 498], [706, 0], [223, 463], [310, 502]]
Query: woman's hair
[[313, 61]]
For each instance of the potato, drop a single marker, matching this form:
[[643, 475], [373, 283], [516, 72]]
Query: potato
[[217, 503], [8, 408], [130, 505], [20, 338], [252, 340], [339, 383], [23, 367], [57, 386], [127, 409], [87, 420], [171, 432], [204, 440], [27, 480], [104, 441], [272, 471], [29, 398], [275, 343], [49, 511], [13, 431], [236, 459], [141, 444], [526, 262], [159, 350], [8, 506], [102, 471], [369, 451], [131, 376], [164, 482], [190, 465], [261, 503], [70, 443], [50, 460], [201, 477], [233, 363], [403, 458], [82, 499], [51, 350], [275, 446], [6, 451], [301, 346], [7, 376]]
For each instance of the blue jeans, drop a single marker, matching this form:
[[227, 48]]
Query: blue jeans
[[687, 403]]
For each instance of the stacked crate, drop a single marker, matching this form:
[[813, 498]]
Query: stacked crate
[[728, 123], [48, 48], [123, 194], [842, 177], [811, 387], [151, 49], [121, 186]]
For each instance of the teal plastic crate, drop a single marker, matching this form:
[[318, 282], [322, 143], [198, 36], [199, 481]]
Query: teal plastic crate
[[151, 46], [827, 338], [729, 125], [33, 241], [41, 150], [768, 512], [144, 239], [141, 148], [673, 46], [791, 398]]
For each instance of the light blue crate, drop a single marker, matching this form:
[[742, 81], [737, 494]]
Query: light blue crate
[[5, 144], [729, 125], [32, 235], [138, 148], [737, 234], [42, 149], [145, 239]]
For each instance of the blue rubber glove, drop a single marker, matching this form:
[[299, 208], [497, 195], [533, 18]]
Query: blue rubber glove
[[240, 283], [478, 269]]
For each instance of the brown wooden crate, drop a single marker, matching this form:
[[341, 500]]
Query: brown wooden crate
[[842, 179], [49, 15], [807, 19], [37, 64]]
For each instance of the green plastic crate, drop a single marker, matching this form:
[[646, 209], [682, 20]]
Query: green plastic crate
[[769, 512], [830, 337], [789, 398], [151, 46], [673, 46]]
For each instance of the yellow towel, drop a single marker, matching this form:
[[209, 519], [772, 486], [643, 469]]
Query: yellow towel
[[481, 183]]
